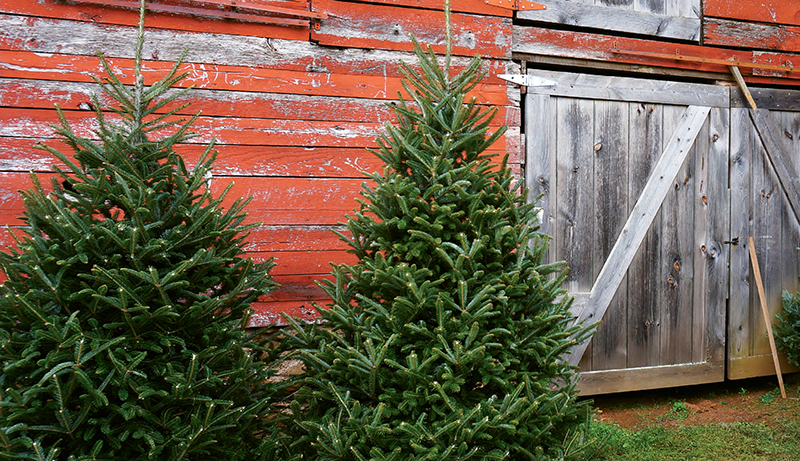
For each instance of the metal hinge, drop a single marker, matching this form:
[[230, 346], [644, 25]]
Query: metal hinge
[[528, 80], [516, 5]]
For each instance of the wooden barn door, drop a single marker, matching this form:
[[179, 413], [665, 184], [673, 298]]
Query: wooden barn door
[[633, 178], [765, 188]]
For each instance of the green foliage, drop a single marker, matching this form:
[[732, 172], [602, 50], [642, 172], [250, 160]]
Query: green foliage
[[443, 341], [121, 323], [787, 330]]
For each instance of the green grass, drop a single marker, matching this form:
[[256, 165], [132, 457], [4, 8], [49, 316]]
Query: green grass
[[716, 442]]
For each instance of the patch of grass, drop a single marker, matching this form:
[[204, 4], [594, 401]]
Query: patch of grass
[[770, 396], [735, 441]]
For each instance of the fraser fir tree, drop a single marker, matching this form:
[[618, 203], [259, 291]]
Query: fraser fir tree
[[443, 341], [787, 330], [121, 323]]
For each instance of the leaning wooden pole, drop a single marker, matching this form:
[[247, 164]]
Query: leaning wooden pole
[[763, 298]]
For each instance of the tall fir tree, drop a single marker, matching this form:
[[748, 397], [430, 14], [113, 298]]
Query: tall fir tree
[[444, 341], [122, 320]]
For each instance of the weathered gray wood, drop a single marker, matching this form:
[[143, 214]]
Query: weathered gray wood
[[743, 143], [540, 164], [574, 207], [779, 158], [768, 98], [656, 377], [675, 283], [639, 221], [712, 268], [644, 328], [609, 348], [632, 89], [767, 230], [615, 18]]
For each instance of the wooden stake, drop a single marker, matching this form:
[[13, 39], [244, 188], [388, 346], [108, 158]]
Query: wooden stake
[[740, 80], [763, 298]]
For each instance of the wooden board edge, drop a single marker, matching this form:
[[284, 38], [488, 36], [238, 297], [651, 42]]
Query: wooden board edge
[[645, 378], [756, 366]]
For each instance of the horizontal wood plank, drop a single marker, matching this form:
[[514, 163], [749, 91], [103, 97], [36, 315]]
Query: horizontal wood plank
[[370, 26], [598, 16], [589, 86], [39, 35], [657, 377], [481, 7], [780, 12], [767, 98], [596, 47], [757, 365], [42, 94], [28, 65], [740, 34], [119, 16]]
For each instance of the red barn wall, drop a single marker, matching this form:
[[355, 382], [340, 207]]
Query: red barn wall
[[292, 109]]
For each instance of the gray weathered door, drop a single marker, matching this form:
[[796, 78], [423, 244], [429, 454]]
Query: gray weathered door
[[633, 178], [764, 155]]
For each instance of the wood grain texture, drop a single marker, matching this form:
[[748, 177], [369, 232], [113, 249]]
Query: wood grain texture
[[644, 327], [540, 164], [222, 77], [675, 282], [642, 215], [530, 40], [773, 12], [656, 377], [712, 205], [611, 177], [739, 34], [615, 16], [744, 156], [575, 188], [481, 7], [387, 27], [119, 16], [616, 88]]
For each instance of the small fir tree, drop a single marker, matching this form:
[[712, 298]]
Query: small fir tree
[[444, 341], [121, 322], [787, 330]]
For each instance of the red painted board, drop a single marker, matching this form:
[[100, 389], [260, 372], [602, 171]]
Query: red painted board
[[358, 25], [42, 66], [277, 201], [119, 16], [600, 47], [481, 7], [46, 36], [36, 123], [40, 94], [723, 32], [775, 11]]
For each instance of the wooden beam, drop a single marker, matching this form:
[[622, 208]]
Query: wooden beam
[[617, 19], [780, 12], [741, 34], [639, 221], [780, 159]]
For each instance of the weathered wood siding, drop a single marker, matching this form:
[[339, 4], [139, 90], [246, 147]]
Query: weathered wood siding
[[292, 109]]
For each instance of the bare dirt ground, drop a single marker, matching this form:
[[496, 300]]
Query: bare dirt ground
[[754, 400]]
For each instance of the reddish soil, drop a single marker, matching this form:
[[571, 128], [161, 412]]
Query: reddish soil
[[753, 400]]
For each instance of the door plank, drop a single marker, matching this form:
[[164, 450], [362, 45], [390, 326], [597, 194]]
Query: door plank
[[646, 145], [640, 219], [610, 213], [540, 160], [780, 159], [743, 158], [675, 282]]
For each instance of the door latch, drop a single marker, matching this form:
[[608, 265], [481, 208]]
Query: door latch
[[733, 241]]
